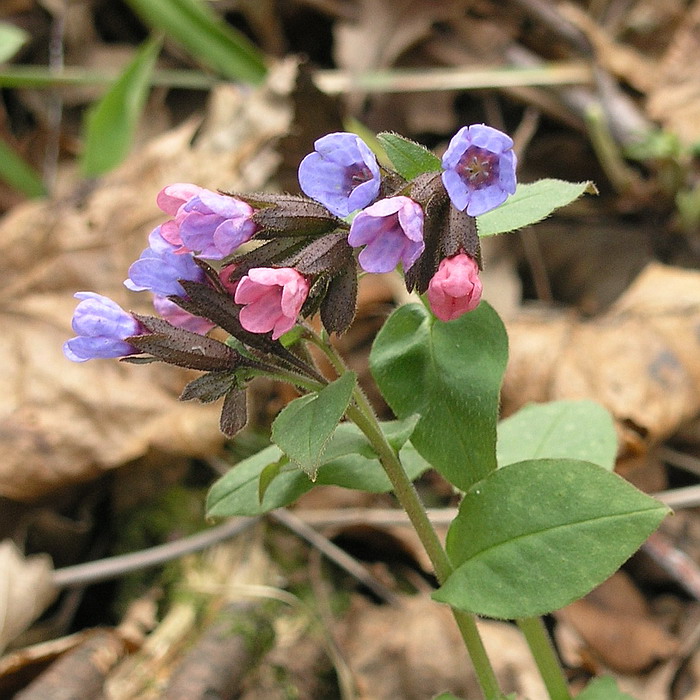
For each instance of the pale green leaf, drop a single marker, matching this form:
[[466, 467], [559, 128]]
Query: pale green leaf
[[573, 429], [352, 463], [603, 688]]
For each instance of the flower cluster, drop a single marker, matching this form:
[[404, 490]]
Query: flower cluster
[[303, 258]]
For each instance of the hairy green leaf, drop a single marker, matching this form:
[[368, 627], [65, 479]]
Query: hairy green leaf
[[530, 204], [450, 374], [409, 158], [534, 536], [304, 426]]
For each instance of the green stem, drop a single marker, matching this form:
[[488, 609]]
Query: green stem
[[362, 414], [545, 657]]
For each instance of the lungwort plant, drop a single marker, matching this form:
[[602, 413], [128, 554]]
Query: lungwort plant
[[543, 518]]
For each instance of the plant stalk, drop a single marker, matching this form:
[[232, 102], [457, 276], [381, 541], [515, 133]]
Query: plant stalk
[[545, 657]]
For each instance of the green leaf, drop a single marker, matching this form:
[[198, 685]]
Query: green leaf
[[569, 429], [603, 688], [450, 374], [530, 204], [19, 174], [110, 123], [205, 36], [351, 464], [410, 159], [12, 39], [304, 426], [268, 474], [536, 535]]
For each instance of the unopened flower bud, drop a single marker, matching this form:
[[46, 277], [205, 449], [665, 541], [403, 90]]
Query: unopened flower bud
[[101, 325], [455, 288]]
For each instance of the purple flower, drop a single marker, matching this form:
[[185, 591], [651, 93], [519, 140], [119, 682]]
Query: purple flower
[[101, 325], [172, 313], [479, 169], [342, 173], [209, 224], [391, 230], [159, 268]]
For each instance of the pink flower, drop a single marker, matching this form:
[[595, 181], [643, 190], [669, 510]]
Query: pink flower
[[271, 299], [172, 313], [455, 287]]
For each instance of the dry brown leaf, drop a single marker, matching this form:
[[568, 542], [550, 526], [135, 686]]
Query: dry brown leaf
[[63, 422], [622, 61], [640, 359], [414, 651], [26, 590], [622, 641], [386, 29], [675, 98]]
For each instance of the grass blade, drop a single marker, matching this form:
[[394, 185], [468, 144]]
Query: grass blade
[[205, 36], [18, 174], [111, 122]]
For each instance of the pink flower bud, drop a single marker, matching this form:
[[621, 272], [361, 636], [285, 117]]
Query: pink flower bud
[[455, 288], [272, 299]]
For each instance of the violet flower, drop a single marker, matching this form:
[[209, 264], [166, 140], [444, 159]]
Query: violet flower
[[272, 299], [479, 169], [342, 173], [209, 224], [159, 268], [101, 325], [455, 288], [391, 231]]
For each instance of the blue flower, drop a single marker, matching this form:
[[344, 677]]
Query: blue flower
[[159, 268], [101, 325], [479, 169], [342, 173], [391, 231]]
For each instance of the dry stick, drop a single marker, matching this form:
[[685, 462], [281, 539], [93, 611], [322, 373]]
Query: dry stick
[[113, 567], [334, 553], [79, 673], [228, 649]]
